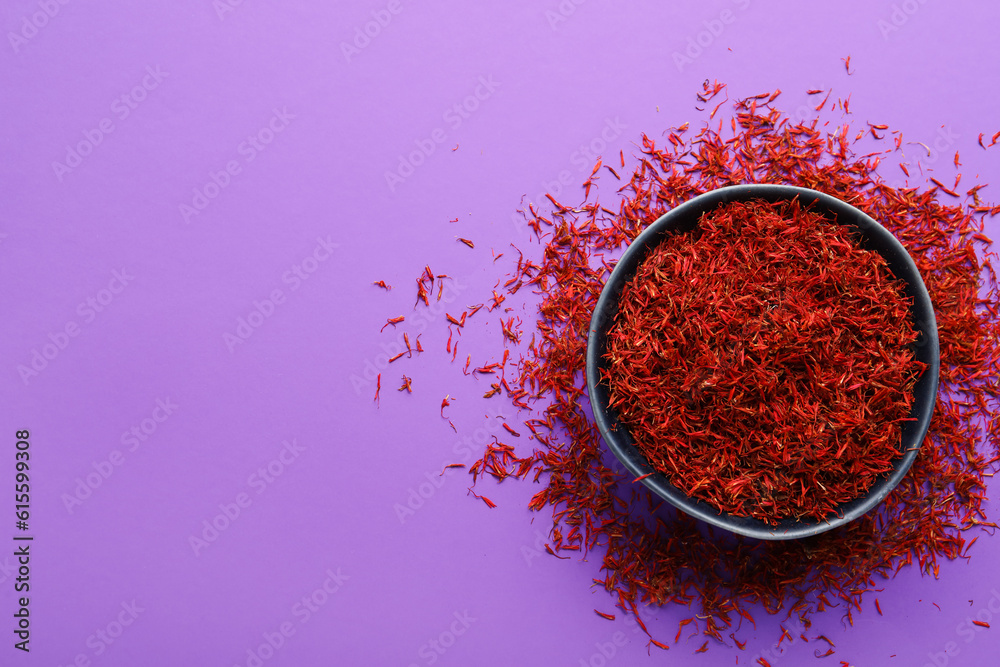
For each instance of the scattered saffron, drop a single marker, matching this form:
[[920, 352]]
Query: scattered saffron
[[650, 552]]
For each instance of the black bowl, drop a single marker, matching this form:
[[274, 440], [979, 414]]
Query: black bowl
[[872, 237]]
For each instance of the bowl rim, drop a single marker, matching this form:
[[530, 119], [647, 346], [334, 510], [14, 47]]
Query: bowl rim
[[922, 309]]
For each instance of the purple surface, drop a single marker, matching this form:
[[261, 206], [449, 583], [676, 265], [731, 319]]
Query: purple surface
[[200, 80]]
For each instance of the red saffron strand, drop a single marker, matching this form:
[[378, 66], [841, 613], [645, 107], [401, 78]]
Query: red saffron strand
[[679, 416], [393, 321], [649, 552]]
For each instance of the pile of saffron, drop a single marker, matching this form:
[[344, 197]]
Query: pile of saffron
[[762, 361], [654, 555]]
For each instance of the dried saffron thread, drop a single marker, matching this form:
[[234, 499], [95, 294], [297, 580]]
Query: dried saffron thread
[[393, 321], [653, 554], [762, 362]]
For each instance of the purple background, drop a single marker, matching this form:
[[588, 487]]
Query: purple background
[[560, 75]]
